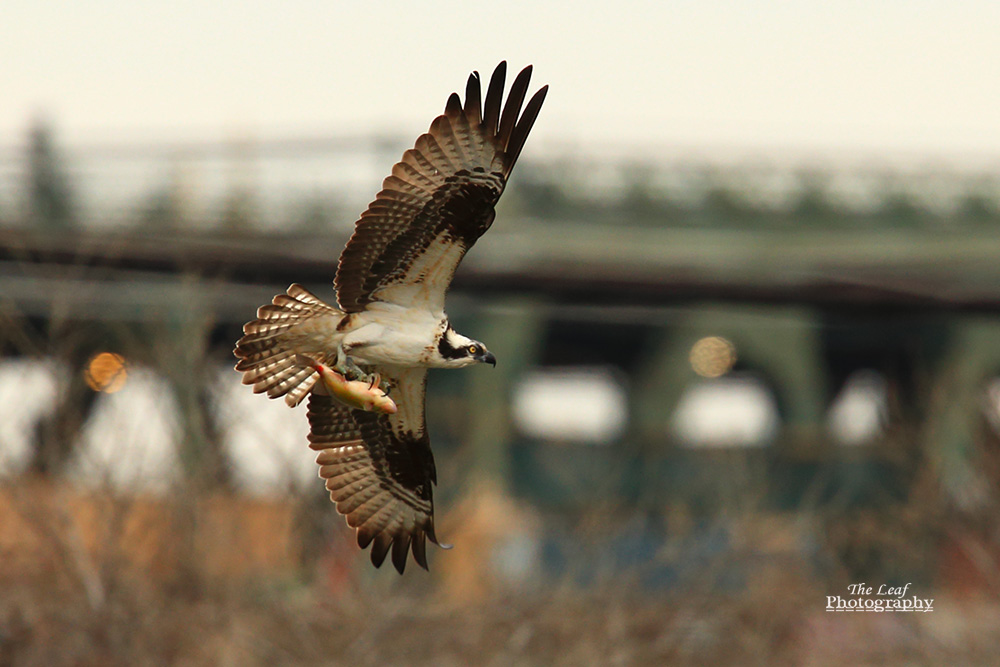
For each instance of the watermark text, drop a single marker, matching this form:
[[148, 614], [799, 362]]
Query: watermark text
[[881, 598]]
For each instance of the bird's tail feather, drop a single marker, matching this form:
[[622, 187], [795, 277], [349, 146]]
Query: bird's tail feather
[[269, 346]]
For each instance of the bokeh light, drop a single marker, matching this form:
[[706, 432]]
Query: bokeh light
[[106, 372], [712, 357]]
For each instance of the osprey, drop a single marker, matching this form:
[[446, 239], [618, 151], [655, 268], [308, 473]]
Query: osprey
[[389, 325]]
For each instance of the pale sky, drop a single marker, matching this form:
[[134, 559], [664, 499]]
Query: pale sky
[[917, 75]]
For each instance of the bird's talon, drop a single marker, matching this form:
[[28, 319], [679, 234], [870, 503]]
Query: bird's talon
[[349, 370]]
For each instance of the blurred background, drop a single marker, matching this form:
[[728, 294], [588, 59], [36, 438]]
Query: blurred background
[[744, 289]]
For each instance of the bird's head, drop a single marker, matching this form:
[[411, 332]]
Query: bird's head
[[457, 350]]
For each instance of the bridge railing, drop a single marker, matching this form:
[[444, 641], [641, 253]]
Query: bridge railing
[[251, 184]]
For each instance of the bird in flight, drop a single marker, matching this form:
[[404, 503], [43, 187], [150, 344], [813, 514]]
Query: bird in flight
[[363, 363]]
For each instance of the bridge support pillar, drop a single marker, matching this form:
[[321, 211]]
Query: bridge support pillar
[[954, 410], [487, 517], [180, 354], [513, 330], [780, 342]]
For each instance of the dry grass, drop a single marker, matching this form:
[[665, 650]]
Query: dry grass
[[102, 579]]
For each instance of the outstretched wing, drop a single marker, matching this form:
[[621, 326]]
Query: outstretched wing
[[379, 469], [438, 200]]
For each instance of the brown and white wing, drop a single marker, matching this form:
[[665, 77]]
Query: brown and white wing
[[379, 469], [439, 199]]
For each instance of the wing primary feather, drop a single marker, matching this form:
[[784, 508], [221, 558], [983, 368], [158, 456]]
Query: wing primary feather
[[400, 549], [380, 547], [365, 537], [429, 529], [420, 548], [494, 96], [515, 98], [523, 126], [454, 106], [473, 100]]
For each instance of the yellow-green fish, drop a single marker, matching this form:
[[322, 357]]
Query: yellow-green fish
[[357, 394]]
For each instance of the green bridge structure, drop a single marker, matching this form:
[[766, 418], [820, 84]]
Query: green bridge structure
[[801, 308], [807, 284]]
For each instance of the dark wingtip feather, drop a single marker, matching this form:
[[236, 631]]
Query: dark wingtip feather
[[494, 96], [380, 547], [420, 549], [433, 537], [473, 100], [400, 545], [454, 106], [524, 125], [400, 550], [511, 110], [365, 538]]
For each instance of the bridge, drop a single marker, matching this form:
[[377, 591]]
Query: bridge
[[587, 285]]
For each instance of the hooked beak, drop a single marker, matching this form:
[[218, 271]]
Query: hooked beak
[[489, 358]]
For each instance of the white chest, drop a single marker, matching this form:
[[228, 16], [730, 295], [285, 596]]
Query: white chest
[[388, 334]]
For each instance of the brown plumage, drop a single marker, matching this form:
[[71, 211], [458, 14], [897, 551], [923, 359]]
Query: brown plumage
[[268, 348], [379, 470], [446, 186], [438, 200]]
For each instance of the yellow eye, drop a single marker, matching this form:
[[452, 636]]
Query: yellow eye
[[473, 349]]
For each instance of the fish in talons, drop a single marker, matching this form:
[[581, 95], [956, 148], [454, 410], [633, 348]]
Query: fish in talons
[[364, 394]]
